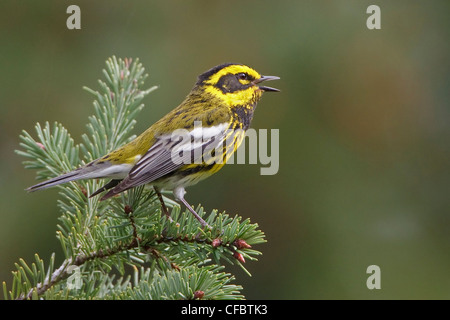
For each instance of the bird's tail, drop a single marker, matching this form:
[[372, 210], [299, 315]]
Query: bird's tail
[[76, 174], [93, 170]]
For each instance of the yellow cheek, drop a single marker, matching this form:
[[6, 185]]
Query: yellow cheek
[[244, 82], [234, 98]]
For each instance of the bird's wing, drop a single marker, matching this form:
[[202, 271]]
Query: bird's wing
[[171, 152]]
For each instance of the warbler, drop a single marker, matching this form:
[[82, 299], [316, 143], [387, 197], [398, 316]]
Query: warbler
[[188, 144]]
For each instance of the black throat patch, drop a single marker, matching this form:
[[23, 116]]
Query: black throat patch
[[244, 115]]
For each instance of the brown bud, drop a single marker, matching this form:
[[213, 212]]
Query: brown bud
[[216, 242], [128, 62], [128, 209], [174, 266], [199, 294], [239, 257], [241, 244]]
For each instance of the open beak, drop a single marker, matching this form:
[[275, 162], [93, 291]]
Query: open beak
[[266, 78]]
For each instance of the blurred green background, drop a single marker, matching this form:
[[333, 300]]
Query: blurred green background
[[363, 115]]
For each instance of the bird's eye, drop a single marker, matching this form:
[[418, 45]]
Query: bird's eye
[[242, 76]]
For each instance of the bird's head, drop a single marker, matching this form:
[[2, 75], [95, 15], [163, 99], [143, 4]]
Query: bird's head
[[235, 84]]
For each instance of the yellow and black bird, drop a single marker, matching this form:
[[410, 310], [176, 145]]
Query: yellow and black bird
[[187, 145]]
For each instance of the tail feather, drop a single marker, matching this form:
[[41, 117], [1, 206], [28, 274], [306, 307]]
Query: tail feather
[[107, 186], [118, 187], [93, 170], [111, 193], [67, 177]]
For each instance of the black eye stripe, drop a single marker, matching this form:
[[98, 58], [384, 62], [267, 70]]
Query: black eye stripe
[[230, 83]]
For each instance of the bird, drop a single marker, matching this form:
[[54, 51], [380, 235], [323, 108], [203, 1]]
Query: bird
[[187, 145]]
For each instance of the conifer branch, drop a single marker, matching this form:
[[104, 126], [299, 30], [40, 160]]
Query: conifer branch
[[169, 258]]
